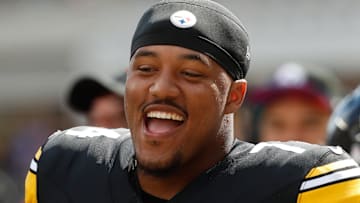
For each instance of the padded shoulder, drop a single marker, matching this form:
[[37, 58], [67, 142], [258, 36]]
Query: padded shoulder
[[304, 154], [99, 144], [76, 165], [277, 170]]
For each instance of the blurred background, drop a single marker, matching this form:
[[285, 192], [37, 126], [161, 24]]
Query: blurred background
[[45, 43]]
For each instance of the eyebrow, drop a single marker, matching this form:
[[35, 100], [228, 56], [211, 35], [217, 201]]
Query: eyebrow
[[196, 57], [192, 56], [142, 53]]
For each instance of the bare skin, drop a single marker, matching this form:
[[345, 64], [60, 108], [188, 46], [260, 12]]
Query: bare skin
[[179, 106], [107, 111], [294, 118]]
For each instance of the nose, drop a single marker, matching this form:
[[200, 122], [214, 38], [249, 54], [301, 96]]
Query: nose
[[164, 86]]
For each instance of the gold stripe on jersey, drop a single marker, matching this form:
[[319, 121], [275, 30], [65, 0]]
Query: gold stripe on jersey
[[30, 188], [30, 181], [331, 167], [330, 178], [342, 192], [38, 154], [35, 160]]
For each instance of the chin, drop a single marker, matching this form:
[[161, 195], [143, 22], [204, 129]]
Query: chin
[[157, 167]]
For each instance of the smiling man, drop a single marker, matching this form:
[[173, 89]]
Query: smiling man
[[185, 81], [174, 131]]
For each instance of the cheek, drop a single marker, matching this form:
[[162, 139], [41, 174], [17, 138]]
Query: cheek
[[206, 106], [133, 97], [220, 89], [135, 87], [205, 98], [219, 95], [222, 86]]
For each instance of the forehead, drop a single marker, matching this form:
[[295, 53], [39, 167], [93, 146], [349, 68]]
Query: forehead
[[295, 106], [169, 51]]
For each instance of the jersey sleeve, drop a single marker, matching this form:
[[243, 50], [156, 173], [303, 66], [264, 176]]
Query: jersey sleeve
[[335, 179], [30, 181]]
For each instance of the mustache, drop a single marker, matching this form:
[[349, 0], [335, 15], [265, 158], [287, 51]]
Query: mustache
[[163, 102]]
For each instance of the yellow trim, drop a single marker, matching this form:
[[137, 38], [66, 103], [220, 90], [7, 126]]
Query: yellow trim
[[30, 188], [344, 192], [38, 154], [331, 167], [31, 183]]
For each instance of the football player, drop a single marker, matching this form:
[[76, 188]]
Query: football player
[[186, 79]]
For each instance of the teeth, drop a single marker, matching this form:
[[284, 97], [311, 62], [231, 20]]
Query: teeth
[[164, 115]]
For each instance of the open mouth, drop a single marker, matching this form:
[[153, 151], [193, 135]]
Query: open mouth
[[160, 122]]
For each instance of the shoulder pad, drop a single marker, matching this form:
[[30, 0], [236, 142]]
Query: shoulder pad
[[88, 131], [297, 153], [100, 144]]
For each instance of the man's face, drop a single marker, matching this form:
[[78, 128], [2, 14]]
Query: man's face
[[107, 111], [175, 100], [294, 118]]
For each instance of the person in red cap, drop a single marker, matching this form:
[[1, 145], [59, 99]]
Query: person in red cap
[[294, 105]]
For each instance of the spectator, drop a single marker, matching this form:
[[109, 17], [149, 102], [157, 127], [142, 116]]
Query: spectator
[[99, 96], [294, 105]]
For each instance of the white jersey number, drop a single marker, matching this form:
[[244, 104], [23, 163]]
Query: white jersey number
[[281, 146]]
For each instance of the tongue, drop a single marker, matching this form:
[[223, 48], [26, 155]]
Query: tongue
[[161, 125]]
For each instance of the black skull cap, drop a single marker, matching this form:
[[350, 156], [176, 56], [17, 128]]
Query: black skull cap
[[201, 25]]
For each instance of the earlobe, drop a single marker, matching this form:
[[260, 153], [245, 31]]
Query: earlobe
[[236, 96]]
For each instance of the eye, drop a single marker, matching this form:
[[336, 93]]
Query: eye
[[192, 74], [146, 69]]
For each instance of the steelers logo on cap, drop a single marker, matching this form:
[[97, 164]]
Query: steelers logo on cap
[[183, 19]]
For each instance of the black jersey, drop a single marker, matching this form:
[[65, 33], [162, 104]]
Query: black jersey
[[88, 164]]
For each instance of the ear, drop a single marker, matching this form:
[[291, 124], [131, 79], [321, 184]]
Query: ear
[[236, 96]]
